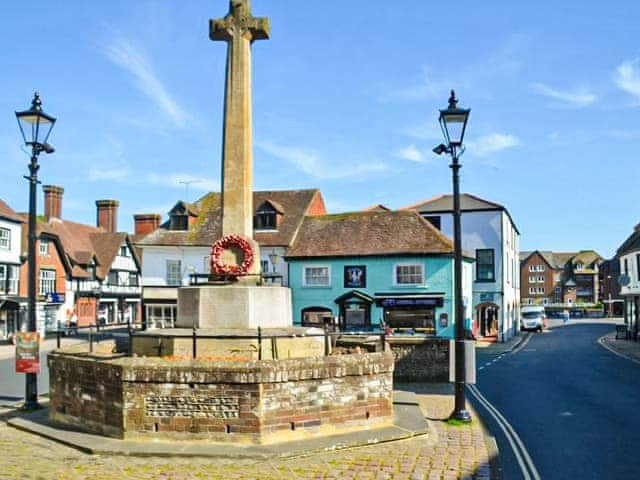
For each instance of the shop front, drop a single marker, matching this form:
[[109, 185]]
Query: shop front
[[410, 312], [10, 313]]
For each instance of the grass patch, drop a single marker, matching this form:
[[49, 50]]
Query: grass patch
[[457, 423]]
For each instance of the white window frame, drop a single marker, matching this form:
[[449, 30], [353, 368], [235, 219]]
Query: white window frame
[[532, 279], [540, 278], [46, 281], [173, 278], [124, 251], [407, 284], [5, 239], [44, 247], [318, 267], [167, 318]]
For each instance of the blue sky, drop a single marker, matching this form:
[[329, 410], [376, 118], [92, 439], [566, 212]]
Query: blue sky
[[346, 98]]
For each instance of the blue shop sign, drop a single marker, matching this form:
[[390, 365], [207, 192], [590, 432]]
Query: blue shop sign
[[486, 297], [53, 297], [410, 302]]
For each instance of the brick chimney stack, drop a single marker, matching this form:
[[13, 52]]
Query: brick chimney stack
[[107, 214], [52, 201], [146, 223]]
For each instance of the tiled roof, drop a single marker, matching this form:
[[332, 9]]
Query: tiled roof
[[80, 243], [207, 229], [368, 233], [7, 213]]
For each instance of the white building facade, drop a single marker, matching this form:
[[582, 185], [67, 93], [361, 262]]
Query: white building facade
[[489, 233], [10, 250], [629, 255]]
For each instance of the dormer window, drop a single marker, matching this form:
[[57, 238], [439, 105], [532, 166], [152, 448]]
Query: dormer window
[[179, 222], [579, 266], [266, 217]]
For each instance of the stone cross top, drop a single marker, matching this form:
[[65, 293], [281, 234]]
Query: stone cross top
[[239, 29]]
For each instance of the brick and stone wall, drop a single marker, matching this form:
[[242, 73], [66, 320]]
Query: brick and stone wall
[[420, 359], [257, 401]]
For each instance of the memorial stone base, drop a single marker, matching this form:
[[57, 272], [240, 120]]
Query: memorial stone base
[[237, 306]]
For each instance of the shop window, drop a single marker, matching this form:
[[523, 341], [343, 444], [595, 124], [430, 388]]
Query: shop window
[[420, 319], [161, 316], [317, 276], [485, 265], [316, 316], [409, 274]]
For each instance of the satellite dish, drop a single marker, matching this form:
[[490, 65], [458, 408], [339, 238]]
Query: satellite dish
[[624, 280]]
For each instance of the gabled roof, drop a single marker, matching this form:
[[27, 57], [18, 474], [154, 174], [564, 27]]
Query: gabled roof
[[80, 244], [631, 244], [275, 205], [468, 203], [7, 213], [561, 260], [368, 233], [444, 203], [187, 208], [294, 204], [378, 207]]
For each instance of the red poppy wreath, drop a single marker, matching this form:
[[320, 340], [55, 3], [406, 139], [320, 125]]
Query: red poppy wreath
[[231, 270]]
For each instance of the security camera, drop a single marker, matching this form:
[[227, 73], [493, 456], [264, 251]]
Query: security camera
[[48, 148], [440, 149]]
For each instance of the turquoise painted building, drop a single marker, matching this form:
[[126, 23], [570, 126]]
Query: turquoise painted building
[[368, 269]]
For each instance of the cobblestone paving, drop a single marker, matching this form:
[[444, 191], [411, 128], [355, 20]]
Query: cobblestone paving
[[460, 452]]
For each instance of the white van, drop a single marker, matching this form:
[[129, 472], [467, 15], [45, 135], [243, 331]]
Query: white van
[[532, 317]]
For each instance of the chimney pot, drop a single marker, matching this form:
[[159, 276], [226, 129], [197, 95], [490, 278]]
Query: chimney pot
[[146, 223], [52, 201], [107, 214]]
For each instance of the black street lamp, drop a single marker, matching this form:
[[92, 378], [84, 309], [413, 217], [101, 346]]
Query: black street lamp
[[453, 122], [35, 126]]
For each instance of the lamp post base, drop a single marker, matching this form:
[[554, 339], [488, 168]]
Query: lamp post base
[[461, 416]]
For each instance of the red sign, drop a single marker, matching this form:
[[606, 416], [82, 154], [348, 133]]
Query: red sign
[[28, 352]]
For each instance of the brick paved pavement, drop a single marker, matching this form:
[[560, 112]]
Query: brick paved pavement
[[460, 452]]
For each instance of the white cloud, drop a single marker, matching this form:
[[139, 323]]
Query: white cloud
[[183, 180], [429, 130], [492, 143], [578, 97], [411, 153], [426, 89], [313, 165], [116, 174], [627, 78], [134, 60]]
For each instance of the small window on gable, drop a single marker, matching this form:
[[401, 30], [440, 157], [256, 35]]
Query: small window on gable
[[434, 220], [266, 217], [124, 251]]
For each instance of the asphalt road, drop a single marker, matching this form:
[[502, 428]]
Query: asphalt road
[[573, 404]]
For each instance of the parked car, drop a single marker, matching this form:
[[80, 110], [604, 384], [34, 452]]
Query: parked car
[[532, 318]]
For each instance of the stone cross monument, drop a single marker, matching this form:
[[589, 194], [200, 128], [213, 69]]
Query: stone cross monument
[[239, 29]]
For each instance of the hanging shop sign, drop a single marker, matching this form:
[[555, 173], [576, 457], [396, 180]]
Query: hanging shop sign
[[27, 352]]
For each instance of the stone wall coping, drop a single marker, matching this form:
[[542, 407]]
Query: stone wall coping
[[410, 340], [155, 369]]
